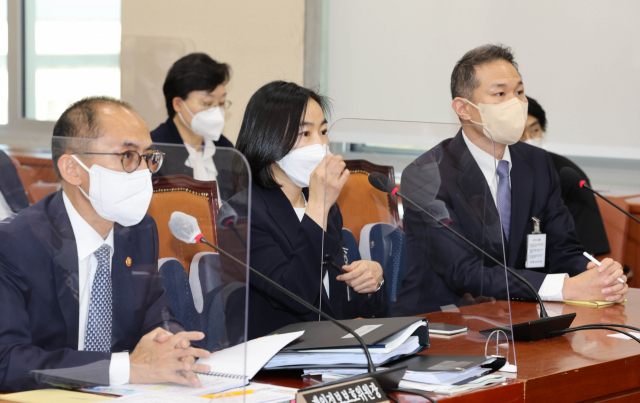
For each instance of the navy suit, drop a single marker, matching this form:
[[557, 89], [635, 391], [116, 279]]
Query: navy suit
[[39, 294], [10, 185], [167, 133], [290, 252], [441, 269]]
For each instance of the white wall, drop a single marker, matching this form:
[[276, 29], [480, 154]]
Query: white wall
[[261, 40], [579, 59]]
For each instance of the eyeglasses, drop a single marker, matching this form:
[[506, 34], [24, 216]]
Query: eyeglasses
[[131, 159], [226, 104]]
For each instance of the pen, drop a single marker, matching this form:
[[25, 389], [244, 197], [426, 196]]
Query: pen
[[228, 394], [594, 260]]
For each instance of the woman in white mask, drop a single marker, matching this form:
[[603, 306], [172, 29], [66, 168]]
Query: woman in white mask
[[294, 221], [196, 101]]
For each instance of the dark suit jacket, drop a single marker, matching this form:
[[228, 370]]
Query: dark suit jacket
[[290, 252], [584, 209], [441, 268], [167, 133], [39, 294], [11, 186]]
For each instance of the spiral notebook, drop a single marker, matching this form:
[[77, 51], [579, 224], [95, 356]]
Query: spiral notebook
[[228, 369]]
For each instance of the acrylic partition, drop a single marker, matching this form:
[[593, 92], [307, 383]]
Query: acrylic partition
[[415, 190], [115, 254]]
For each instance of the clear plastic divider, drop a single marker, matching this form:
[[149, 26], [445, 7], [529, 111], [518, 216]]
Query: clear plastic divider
[[114, 255], [429, 183]]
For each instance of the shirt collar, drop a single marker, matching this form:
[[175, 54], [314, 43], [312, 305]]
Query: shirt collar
[[207, 152], [87, 239], [485, 160]]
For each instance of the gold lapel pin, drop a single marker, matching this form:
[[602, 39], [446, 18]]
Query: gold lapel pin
[[128, 261]]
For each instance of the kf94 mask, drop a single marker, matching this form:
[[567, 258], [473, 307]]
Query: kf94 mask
[[504, 123], [119, 196], [207, 123], [301, 162]]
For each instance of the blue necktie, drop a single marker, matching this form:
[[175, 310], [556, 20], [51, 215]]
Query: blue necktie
[[504, 196], [98, 335]]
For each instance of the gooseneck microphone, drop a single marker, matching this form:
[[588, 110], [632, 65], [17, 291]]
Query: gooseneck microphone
[[186, 229], [571, 177], [527, 331], [227, 218], [384, 183]]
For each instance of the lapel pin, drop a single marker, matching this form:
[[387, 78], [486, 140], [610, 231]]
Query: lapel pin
[[128, 261]]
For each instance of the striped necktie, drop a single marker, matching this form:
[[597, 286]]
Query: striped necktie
[[504, 196]]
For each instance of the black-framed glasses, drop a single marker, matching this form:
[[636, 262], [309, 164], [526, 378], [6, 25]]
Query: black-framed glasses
[[131, 159]]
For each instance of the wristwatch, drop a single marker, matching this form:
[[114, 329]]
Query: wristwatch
[[380, 285]]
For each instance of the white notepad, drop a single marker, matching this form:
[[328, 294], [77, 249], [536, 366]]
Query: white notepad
[[227, 369]]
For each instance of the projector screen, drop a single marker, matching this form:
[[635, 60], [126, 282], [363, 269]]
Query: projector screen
[[579, 59]]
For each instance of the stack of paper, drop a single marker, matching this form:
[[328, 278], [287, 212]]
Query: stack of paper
[[347, 357], [397, 345], [430, 371]]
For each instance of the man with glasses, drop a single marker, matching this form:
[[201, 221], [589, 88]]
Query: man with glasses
[[81, 300], [196, 101]]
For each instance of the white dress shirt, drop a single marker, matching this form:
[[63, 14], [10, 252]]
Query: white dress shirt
[[551, 288], [300, 212], [202, 162], [5, 209], [87, 242]]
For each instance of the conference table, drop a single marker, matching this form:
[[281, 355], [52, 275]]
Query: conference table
[[583, 366]]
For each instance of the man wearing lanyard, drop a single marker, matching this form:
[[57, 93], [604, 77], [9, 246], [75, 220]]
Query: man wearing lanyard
[[517, 193], [81, 300]]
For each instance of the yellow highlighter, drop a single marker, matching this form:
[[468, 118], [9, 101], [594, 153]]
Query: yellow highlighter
[[228, 394]]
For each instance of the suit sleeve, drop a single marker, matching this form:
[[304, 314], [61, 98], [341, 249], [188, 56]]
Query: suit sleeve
[[17, 354], [299, 272], [360, 305], [564, 252], [463, 269], [157, 299]]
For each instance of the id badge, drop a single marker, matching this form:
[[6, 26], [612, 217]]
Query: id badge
[[536, 247]]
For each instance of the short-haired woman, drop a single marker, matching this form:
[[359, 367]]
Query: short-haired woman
[[196, 101], [284, 138]]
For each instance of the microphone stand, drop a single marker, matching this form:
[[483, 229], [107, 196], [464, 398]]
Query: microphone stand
[[534, 330], [387, 378], [584, 185]]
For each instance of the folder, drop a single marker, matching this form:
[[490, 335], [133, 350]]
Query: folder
[[326, 335]]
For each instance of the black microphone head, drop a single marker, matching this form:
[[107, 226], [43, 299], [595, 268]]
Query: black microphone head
[[381, 182], [571, 177], [227, 215]]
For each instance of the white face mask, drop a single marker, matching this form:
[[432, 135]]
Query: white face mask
[[301, 162], [119, 196], [538, 142], [207, 123], [504, 122]]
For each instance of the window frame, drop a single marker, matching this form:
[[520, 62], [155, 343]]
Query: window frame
[[20, 131]]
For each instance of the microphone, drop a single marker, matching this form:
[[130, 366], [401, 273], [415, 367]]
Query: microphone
[[227, 217], [527, 331], [570, 177], [185, 228]]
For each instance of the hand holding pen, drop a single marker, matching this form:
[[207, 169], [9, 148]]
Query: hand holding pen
[[594, 260]]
